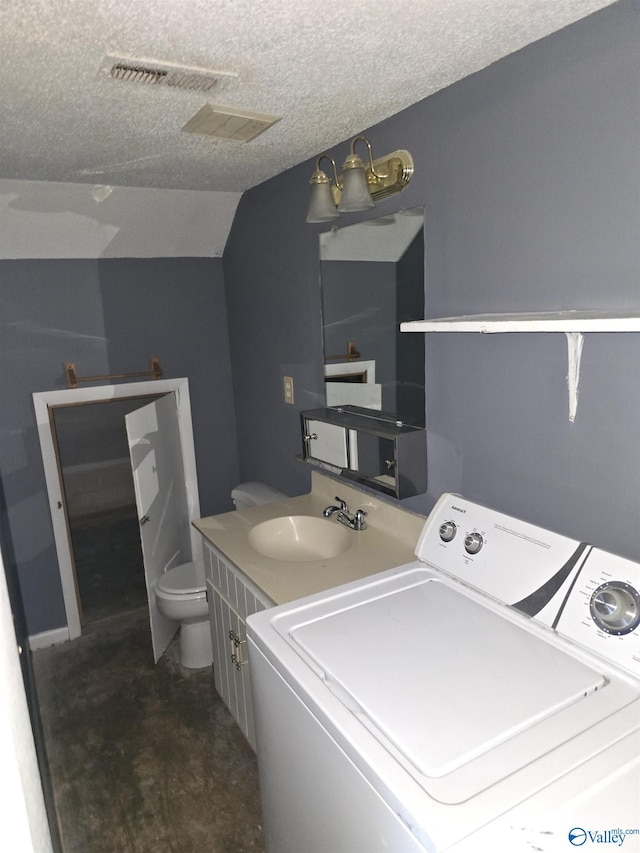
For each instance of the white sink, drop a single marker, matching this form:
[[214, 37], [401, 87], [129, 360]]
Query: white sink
[[300, 539]]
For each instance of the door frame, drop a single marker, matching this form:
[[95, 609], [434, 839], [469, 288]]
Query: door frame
[[43, 402]]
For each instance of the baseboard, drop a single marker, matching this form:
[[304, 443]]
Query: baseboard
[[48, 638]]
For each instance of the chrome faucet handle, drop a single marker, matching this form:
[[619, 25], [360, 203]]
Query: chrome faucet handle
[[358, 520], [343, 504]]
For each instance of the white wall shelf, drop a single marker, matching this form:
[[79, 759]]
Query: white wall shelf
[[546, 321], [572, 323]]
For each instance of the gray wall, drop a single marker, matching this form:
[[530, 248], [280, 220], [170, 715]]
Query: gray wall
[[175, 308], [272, 281], [528, 172], [108, 316]]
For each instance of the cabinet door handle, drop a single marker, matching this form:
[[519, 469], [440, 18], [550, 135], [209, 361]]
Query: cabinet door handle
[[236, 650]]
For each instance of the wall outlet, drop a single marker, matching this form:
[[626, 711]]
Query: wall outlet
[[288, 389]]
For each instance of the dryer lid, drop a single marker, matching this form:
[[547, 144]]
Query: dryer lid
[[447, 684], [183, 579]]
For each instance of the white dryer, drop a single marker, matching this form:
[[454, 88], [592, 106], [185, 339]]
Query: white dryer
[[484, 697]]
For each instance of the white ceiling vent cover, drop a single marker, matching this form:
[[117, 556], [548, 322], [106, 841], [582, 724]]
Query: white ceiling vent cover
[[155, 73], [226, 123]]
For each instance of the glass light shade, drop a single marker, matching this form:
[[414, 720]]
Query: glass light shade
[[321, 205], [355, 191]]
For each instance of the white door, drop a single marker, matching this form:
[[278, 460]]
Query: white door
[[161, 498]]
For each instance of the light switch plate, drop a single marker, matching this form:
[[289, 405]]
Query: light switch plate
[[288, 389]]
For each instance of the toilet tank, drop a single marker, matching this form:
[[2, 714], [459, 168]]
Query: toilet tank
[[253, 493]]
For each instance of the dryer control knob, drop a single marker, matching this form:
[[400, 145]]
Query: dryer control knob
[[473, 542], [448, 531]]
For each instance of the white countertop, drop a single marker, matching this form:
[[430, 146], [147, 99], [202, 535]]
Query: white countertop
[[388, 541]]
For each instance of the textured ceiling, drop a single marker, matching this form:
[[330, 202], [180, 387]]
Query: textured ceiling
[[329, 70]]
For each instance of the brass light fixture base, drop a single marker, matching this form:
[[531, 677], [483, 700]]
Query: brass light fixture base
[[392, 174]]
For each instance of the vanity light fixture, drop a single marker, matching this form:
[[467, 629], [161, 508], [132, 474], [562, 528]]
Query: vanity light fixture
[[360, 186]]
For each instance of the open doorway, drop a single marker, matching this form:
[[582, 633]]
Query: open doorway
[[48, 406], [93, 455]]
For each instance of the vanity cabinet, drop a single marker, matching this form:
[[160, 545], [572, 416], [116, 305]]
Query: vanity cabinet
[[231, 599], [367, 447]]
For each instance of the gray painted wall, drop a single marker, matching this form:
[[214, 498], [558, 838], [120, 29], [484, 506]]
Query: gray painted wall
[[108, 316], [176, 308], [528, 172]]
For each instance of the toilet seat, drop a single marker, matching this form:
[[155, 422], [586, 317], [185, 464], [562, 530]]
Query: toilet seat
[[185, 579]]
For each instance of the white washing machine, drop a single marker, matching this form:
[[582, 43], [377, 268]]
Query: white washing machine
[[483, 698]]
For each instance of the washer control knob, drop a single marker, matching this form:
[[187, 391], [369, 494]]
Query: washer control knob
[[615, 607], [448, 531], [473, 542]]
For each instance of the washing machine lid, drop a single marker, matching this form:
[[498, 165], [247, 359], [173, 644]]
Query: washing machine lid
[[184, 579], [461, 695]]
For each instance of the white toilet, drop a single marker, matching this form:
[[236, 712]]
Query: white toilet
[[181, 595], [181, 592], [253, 493]]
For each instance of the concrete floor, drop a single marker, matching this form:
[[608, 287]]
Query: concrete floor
[[142, 757]]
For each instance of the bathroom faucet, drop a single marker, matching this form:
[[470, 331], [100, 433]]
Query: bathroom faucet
[[329, 511], [355, 522]]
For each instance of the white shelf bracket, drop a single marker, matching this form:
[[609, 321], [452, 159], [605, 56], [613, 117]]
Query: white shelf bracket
[[575, 341]]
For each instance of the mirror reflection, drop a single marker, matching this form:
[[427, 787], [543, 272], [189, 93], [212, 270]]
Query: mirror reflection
[[372, 279]]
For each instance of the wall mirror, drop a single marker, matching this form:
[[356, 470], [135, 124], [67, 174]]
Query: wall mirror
[[372, 279]]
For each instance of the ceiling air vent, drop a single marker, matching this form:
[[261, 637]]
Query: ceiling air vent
[[226, 123], [151, 72]]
